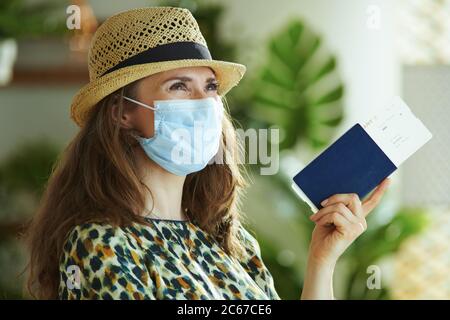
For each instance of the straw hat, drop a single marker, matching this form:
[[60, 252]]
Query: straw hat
[[137, 43]]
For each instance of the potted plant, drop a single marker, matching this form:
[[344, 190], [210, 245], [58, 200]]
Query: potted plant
[[18, 19]]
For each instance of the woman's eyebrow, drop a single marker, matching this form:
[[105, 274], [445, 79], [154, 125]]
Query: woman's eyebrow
[[186, 79]]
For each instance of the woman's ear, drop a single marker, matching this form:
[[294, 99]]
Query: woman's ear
[[125, 116]]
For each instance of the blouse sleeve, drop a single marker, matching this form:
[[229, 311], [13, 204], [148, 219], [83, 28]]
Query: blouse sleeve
[[103, 262], [255, 266]]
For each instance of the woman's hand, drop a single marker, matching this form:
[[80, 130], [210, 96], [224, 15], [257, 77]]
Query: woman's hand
[[341, 220]]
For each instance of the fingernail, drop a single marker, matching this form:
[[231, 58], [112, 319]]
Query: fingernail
[[324, 202]]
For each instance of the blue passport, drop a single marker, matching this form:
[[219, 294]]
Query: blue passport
[[363, 156]]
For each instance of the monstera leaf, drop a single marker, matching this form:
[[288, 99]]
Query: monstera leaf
[[298, 88]]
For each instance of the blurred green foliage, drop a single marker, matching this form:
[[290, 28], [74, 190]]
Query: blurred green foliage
[[375, 244], [23, 175], [28, 167], [20, 18], [289, 91]]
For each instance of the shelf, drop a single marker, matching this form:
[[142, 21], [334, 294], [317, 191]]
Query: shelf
[[50, 76]]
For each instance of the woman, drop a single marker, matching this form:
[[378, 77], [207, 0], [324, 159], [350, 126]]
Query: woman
[[126, 215]]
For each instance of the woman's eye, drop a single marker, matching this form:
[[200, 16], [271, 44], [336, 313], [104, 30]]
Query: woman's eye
[[178, 86], [182, 86], [213, 86]]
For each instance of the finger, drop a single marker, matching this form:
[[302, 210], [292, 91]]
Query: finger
[[351, 200], [343, 225], [370, 203], [338, 207], [338, 220]]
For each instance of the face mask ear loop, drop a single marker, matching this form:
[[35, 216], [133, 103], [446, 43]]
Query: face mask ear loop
[[140, 103]]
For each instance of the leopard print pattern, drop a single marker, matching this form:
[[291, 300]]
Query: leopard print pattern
[[166, 260]]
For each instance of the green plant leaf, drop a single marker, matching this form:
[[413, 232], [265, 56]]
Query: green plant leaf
[[299, 77], [330, 96]]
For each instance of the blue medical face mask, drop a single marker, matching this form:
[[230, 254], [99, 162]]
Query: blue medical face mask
[[187, 133]]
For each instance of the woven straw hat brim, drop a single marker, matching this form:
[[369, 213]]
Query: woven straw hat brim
[[228, 75]]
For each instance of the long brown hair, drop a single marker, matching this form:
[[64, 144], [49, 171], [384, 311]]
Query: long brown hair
[[96, 178]]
